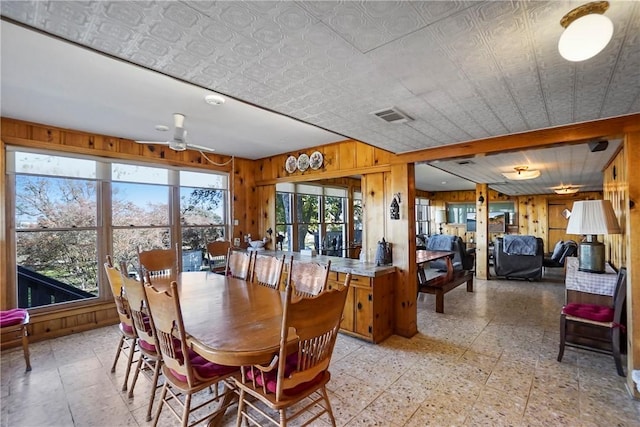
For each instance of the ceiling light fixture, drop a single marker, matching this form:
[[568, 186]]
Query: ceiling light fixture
[[214, 99], [566, 190], [587, 31], [521, 173]]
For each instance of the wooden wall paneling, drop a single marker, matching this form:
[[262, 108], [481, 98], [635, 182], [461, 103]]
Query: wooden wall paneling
[[374, 212], [245, 201], [266, 195], [632, 210], [332, 160], [5, 302], [401, 232], [364, 155], [346, 155], [616, 190], [482, 233]]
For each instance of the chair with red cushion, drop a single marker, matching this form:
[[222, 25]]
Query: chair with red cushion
[[217, 252], [128, 338], [239, 264], [150, 359], [185, 372], [13, 327], [595, 327], [297, 376]]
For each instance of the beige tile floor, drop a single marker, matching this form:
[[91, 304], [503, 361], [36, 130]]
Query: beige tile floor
[[489, 360]]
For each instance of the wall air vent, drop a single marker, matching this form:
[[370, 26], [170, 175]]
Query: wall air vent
[[392, 115]]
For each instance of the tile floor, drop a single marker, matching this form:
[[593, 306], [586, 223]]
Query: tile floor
[[489, 360]]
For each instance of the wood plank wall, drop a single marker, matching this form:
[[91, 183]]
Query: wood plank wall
[[24, 134]]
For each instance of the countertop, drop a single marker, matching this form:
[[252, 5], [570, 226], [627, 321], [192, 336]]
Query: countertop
[[338, 264]]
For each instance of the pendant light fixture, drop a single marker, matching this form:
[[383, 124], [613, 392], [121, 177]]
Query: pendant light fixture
[[587, 31], [566, 190], [521, 173]]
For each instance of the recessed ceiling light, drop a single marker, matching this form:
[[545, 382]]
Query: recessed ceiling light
[[162, 128], [214, 99], [443, 182]]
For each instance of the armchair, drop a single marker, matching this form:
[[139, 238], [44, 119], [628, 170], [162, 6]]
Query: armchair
[[561, 251], [519, 257]]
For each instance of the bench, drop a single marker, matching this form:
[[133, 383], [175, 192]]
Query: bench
[[441, 283]]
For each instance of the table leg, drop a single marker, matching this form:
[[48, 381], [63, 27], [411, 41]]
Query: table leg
[[229, 398]]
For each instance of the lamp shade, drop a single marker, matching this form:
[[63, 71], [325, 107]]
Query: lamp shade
[[441, 216], [593, 217]]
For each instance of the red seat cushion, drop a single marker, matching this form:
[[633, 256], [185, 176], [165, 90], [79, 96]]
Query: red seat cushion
[[126, 328], [598, 313], [271, 378], [12, 317], [203, 369]]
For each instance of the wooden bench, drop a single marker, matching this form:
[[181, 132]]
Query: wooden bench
[[441, 283]]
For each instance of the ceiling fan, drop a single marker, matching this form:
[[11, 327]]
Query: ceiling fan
[[179, 141]]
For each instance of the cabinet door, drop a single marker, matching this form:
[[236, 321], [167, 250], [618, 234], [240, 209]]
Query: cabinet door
[[348, 313], [363, 311]]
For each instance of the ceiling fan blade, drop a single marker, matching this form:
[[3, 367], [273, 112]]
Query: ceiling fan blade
[[201, 148], [154, 142]]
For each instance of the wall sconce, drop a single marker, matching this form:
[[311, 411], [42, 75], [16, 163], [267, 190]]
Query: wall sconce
[[395, 207], [481, 198]]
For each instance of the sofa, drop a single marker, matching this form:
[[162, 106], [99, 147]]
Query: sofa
[[561, 251], [518, 257], [462, 258]]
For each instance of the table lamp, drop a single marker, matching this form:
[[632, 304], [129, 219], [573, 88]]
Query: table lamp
[[590, 218], [441, 217]]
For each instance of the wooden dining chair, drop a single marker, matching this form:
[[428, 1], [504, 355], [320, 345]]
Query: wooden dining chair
[[267, 270], [128, 337], [300, 373], [595, 327], [13, 328], [217, 255], [159, 262], [238, 264], [308, 278], [150, 359], [185, 372]]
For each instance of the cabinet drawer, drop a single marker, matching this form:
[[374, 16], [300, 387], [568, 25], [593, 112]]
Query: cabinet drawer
[[360, 281]]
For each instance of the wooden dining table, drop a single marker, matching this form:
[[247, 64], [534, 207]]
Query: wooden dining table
[[229, 321]]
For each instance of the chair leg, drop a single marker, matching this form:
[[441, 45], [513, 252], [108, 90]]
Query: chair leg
[[159, 410], [25, 347], [154, 384], [186, 410], [328, 407], [132, 349], [240, 417], [135, 375], [563, 335], [115, 359], [615, 349]]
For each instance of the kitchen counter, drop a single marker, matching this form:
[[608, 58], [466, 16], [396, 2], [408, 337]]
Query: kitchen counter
[[339, 264]]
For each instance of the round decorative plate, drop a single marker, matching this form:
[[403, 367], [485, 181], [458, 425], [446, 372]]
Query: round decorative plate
[[315, 160], [291, 164], [303, 162]]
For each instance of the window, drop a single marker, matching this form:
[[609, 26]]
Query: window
[[62, 230], [317, 215], [423, 226], [56, 231]]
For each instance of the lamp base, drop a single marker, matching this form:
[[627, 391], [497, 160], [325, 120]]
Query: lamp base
[[591, 257]]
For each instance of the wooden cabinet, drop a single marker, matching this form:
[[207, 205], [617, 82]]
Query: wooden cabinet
[[368, 311]]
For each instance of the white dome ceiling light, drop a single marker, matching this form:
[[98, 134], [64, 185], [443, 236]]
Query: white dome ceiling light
[[587, 31]]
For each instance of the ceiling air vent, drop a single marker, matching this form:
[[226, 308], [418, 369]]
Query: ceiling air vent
[[392, 115], [465, 162]]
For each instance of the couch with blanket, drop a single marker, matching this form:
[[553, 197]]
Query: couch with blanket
[[519, 257], [462, 259]]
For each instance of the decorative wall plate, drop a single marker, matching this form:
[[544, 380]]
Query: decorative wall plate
[[291, 164], [303, 162], [315, 161]]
